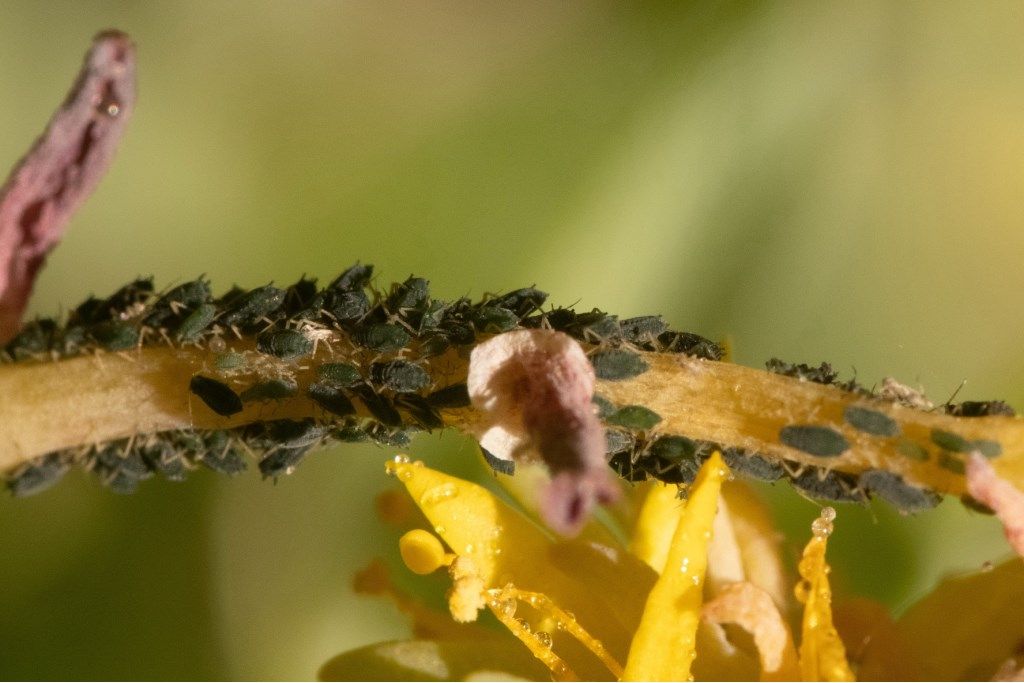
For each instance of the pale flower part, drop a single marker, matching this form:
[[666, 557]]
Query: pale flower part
[[534, 388], [466, 597], [984, 484], [754, 610]]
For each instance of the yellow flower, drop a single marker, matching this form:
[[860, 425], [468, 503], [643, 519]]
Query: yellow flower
[[696, 592]]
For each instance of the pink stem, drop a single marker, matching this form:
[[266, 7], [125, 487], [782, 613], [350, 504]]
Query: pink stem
[[62, 169]]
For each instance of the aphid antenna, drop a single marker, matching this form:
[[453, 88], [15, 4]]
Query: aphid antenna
[[949, 401]]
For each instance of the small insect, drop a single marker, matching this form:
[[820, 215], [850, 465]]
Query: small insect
[[871, 421], [643, 329], [451, 396], [382, 337], [618, 364], [248, 309], [349, 305], [399, 375], [824, 442], [339, 374], [114, 335], [422, 413], [285, 344], [38, 475], [195, 323], [379, 406], [270, 390], [161, 457], [219, 397], [618, 441], [823, 374], [523, 301], [331, 398], [637, 418], [413, 294], [494, 319], [894, 490], [354, 277], [980, 409], [220, 455], [825, 485], [752, 465]]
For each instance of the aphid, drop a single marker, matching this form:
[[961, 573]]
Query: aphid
[[642, 329], [195, 323], [459, 333], [422, 413], [379, 406], [623, 465], [72, 340], [618, 441], [126, 298], [349, 305], [523, 301], [229, 360], [219, 397], [871, 421], [950, 442], [499, 465], [354, 277], [980, 409], [281, 461], [299, 297], [412, 294], [634, 417], [494, 319], [823, 374], [249, 308], [220, 455], [331, 398], [117, 470], [399, 375], [824, 485], [385, 436], [894, 490], [38, 475], [824, 442], [451, 396], [594, 327], [434, 345], [35, 338], [752, 465], [161, 457], [270, 390], [690, 344], [350, 432], [617, 364], [115, 335], [289, 434], [285, 344], [339, 374], [672, 448], [382, 337], [433, 316], [186, 296], [603, 405]]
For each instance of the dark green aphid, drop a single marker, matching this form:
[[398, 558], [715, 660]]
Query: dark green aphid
[[823, 374], [824, 485], [643, 328], [897, 492], [689, 344], [117, 470], [382, 337], [300, 297], [673, 448], [752, 465], [249, 308], [624, 466], [451, 396], [950, 442], [339, 374], [285, 433], [161, 457], [434, 345], [871, 421], [331, 398], [72, 340], [379, 406], [219, 397], [392, 438], [603, 405], [523, 301], [459, 333], [38, 475], [285, 344], [494, 319], [617, 364], [634, 417], [399, 375], [594, 327], [270, 390], [421, 412], [184, 297], [193, 326], [89, 312], [115, 335], [618, 441], [980, 409], [824, 442], [35, 338], [433, 316], [412, 294], [912, 449], [948, 461], [349, 305], [350, 433], [499, 465], [355, 277]]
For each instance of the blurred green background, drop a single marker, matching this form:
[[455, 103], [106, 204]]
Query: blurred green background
[[819, 181]]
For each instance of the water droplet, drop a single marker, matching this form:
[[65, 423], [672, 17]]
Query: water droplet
[[821, 527], [401, 459], [440, 529], [543, 637], [469, 546], [523, 624], [684, 567], [802, 590], [404, 474], [828, 514], [438, 494], [696, 580], [507, 607]]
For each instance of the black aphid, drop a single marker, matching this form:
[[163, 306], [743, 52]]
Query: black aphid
[[35, 338], [348, 305], [379, 406], [523, 301], [219, 397], [399, 375], [823, 374], [285, 344], [331, 398], [980, 409], [183, 298], [221, 455], [339, 374], [354, 277], [281, 461], [897, 492], [451, 396], [382, 337], [195, 323], [494, 319], [421, 412], [642, 329], [161, 457], [618, 441], [752, 465], [115, 335], [413, 294], [831, 486], [248, 309], [824, 442], [270, 390], [38, 475]]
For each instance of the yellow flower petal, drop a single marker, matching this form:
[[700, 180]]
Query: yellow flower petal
[[656, 525], [822, 655], [759, 541], [753, 609], [665, 642]]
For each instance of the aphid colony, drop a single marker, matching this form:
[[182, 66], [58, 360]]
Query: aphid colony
[[387, 393]]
